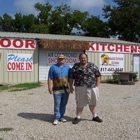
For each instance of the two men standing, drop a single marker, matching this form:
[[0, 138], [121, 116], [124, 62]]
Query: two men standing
[[86, 78]]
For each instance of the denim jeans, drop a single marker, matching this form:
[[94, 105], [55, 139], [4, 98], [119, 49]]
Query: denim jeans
[[60, 102]]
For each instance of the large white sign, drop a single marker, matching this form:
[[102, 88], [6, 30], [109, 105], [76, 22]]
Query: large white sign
[[19, 62], [103, 47], [6, 43], [110, 62], [71, 57]]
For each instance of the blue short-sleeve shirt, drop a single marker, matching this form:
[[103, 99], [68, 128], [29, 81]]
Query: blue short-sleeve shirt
[[59, 75]]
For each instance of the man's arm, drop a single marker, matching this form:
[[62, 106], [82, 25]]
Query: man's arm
[[50, 86], [98, 81], [71, 85]]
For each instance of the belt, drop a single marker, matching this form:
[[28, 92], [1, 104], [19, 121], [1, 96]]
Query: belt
[[59, 88]]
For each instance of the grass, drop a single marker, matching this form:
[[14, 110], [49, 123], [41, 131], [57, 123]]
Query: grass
[[110, 81], [20, 87], [3, 87], [114, 81], [6, 129]]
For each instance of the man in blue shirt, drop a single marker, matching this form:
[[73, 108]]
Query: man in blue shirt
[[58, 86]]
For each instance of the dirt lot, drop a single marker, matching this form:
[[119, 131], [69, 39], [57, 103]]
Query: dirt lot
[[30, 115]]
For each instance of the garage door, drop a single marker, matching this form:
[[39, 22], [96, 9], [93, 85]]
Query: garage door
[[47, 58]]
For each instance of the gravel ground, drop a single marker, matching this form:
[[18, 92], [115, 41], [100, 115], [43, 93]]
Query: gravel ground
[[30, 115]]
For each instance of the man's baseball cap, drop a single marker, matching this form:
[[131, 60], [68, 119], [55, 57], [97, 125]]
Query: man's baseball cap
[[61, 56]]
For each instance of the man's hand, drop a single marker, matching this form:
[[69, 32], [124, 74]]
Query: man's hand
[[71, 85], [97, 87], [50, 86], [71, 89], [98, 82], [50, 90]]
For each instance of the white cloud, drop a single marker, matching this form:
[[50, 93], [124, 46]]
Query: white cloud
[[26, 6], [86, 4]]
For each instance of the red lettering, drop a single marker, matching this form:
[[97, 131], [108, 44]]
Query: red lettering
[[28, 66], [74, 60], [29, 43], [126, 48], [103, 46], [8, 66], [138, 49], [97, 47], [52, 60], [5, 42], [15, 66], [133, 48], [113, 48], [110, 47], [21, 66], [118, 48], [18, 43], [91, 46], [66, 60], [71, 60]]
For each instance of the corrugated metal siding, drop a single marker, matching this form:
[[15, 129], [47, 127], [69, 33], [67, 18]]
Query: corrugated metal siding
[[94, 58], [16, 76], [128, 62]]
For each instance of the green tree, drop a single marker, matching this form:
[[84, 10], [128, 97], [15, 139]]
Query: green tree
[[6, 23], [60, 20], [44, 12], [43, 18], [95, 27], [28, 22], [124, 19], [18, 23], [79, 19], [39, 28]]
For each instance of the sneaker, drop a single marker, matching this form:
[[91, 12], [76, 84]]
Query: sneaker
[[62, 120], [97, 119], [55, 122], [76, 120]]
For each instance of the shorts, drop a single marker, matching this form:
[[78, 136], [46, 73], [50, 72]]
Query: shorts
[[85, 95]]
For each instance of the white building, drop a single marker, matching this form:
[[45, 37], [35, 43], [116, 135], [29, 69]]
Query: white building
[[26, 57]]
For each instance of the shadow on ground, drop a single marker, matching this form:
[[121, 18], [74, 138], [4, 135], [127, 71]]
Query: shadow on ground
[[40, 116]]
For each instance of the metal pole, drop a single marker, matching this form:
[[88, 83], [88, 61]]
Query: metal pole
[[132, 61]]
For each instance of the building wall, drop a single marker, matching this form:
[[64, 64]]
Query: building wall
[[136, 62], [94, 57], [18, 76]]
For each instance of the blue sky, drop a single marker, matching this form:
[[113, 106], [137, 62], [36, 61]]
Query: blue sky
[[25, 7]]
